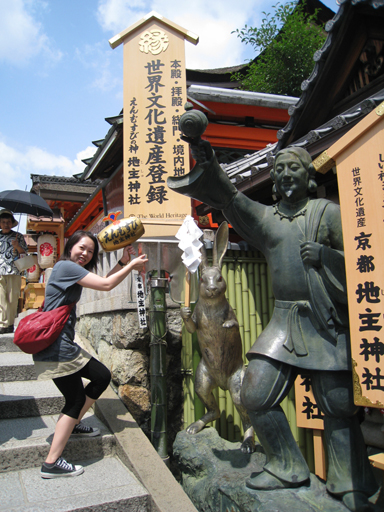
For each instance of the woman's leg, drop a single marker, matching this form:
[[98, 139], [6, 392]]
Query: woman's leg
[[71, 386], [87, 405], [77, 401], [63, 430], [99, 377]]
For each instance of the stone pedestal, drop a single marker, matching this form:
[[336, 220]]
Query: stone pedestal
[[214, 472]]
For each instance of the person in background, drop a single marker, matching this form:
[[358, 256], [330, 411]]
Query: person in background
[[66, 362], [12, 244]]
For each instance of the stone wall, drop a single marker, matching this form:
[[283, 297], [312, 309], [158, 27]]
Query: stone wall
[[124, 348]]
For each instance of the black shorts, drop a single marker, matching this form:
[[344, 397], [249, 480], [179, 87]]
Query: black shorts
[[71, 386]]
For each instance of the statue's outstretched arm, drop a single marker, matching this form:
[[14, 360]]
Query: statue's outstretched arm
[[206, 182]]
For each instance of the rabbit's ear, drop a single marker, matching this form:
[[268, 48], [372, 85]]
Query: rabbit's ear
[[204, 257], [220, 244]]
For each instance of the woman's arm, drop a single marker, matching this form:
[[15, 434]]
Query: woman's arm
[[125, 259], [16, 245], [110, 281]]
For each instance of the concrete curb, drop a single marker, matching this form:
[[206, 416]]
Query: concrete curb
[[137, 453]]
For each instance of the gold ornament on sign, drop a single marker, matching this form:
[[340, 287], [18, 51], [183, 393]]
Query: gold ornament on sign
[[204, 220], [380, 109], [360, 399], [154, 41], [323, 163]]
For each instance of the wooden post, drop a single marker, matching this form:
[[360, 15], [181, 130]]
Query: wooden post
[[187, 292]]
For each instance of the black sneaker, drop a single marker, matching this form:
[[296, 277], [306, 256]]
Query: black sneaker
[[7, 330], [60, 469], [82, 430]]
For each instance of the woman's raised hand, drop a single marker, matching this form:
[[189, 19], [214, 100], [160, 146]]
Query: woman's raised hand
[[139, 263], [127, 253]]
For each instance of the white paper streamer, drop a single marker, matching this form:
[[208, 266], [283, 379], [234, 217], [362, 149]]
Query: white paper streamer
[[189, 235]]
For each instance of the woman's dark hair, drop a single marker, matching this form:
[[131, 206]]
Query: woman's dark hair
[[76, 237]]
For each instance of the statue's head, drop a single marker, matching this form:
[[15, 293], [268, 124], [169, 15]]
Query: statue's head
[[293, 173]]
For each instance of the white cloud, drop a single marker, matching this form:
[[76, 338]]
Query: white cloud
[[88, 152], [21, 36], [100, 59], [212, 21], [16, 165]]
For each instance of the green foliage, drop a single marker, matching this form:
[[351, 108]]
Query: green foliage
[[287, 41]]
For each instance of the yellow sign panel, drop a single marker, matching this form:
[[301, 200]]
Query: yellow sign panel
[[154, 98], [360, 170]]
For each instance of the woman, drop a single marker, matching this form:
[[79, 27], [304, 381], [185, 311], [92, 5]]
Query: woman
[[64, 361], [12, 244]]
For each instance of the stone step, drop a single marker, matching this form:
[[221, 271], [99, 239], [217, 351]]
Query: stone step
[[25, 442], [29, 398], [105, 485], [16, 366], [7, 345]]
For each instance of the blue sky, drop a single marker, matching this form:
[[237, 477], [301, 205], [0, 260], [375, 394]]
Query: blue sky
[[59, 78]]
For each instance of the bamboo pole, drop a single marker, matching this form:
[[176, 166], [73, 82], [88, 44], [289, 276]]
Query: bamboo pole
[[259, 325], [222, 403], [231, 285], [187, 290], [264, 294], [184, 362], [239, 302], [191, 379], [292, 413], [216, 424], [246, 312], [271, 297], [230, 417], [284, 406], [302, 442], [157, 317], [252, 303], [224, 273], [199, 407]]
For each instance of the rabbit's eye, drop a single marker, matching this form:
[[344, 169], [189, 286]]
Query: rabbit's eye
[[220, 278]]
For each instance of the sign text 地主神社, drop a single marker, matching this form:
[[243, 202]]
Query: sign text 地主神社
[[359, 159]]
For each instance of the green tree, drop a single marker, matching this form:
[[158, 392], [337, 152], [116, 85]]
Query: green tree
[[287, 41]]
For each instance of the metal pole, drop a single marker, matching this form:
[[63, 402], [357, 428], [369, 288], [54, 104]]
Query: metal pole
[[158, 350]]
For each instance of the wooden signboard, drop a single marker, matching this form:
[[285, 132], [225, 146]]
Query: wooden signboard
[[359, 159], [308, 415], [154, 97]]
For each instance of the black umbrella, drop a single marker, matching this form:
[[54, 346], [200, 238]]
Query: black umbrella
[[21, 201]]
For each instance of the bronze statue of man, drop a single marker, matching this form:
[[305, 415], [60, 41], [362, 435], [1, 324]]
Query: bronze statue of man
[[301, 239]]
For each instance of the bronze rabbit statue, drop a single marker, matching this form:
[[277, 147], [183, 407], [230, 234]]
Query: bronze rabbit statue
[[219, 339]]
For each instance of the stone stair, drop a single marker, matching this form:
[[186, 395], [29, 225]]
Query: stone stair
[[123, 472], [28, 414]]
